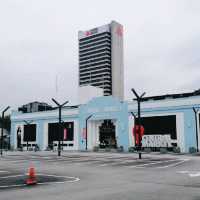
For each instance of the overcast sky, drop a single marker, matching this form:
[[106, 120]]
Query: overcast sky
[[38, 41]]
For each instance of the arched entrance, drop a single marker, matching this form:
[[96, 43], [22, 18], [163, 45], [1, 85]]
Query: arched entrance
[[107, 134]]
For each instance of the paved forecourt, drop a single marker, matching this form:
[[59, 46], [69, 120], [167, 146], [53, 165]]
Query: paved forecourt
[[97, 159], [89, 175]]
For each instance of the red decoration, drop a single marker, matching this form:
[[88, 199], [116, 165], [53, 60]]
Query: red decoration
[[65, 134], [138, 132]]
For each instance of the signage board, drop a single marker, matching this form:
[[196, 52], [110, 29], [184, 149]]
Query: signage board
[[156, 141]]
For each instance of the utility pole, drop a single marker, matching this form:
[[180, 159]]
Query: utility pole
[[197, 138], [27, 139], [86, 133], [2, 125], [133, 114], [139, 99], [60, 106]]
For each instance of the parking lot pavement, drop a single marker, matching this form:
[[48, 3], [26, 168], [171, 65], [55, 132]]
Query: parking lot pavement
[[88, 175], [99, 160]]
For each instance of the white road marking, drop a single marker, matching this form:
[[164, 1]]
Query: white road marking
[[43, 183], [18, 161], [117, 163], [4, 171], [183, 172], [147, 164], [194, 174], [10, 186], [46, 157], [75, 178], [191, 174], [174, 164], [12, 176], [103, 165]]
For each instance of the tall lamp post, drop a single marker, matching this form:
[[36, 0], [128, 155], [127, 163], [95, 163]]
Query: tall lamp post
[[197, 138], [86, 133], [27, 139], [60, 106], [2, 125], [19, 137], [139, 99]]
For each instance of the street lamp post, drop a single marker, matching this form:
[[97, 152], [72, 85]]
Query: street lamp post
[[19, 137], [197, 138], [134, 115], [60, 106], [2, 125], [86, 133], [139, 98]]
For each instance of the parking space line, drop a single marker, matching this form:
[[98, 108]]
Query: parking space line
[[174, 164], [75, 179], [11, 186], [12, 176], [147, 164], [4, 171], [17, 161], [117, 163]]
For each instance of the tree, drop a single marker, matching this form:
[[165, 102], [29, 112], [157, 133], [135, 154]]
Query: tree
[[7, 122]]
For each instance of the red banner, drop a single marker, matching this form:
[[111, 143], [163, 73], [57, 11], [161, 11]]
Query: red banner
[[138, 132], [84, 133], [65, 134]]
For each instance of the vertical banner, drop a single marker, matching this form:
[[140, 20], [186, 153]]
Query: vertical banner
[[65, 134], [84, 133]]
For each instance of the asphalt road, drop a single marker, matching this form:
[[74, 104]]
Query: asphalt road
[[95, 176]]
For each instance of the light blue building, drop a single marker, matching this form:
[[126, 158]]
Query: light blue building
[[167, 120]]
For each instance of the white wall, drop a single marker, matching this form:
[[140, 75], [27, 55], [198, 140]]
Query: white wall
[[86, 93]]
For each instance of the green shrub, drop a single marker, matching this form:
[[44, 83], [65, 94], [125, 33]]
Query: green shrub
[[163, 150], [37, 148], [131, 149], [12, 148], [107, 149], [95, 148], [192, 150], [20, 148], [176, 150], [147, 149], [120, 149]]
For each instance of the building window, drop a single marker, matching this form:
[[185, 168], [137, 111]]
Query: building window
[[160, 125], [67, 132]]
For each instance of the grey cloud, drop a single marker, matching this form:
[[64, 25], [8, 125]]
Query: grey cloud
[[38, 41]]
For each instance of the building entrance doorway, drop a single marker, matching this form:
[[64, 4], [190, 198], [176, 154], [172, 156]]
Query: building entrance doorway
[[107, 136]]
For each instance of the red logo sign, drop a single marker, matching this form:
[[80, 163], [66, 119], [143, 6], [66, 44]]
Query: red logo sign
[[88, 33], [119, 31]]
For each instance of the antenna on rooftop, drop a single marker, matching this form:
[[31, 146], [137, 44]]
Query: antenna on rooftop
[[56, 86]]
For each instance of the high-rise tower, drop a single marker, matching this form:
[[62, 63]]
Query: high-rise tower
[[101, 59]]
